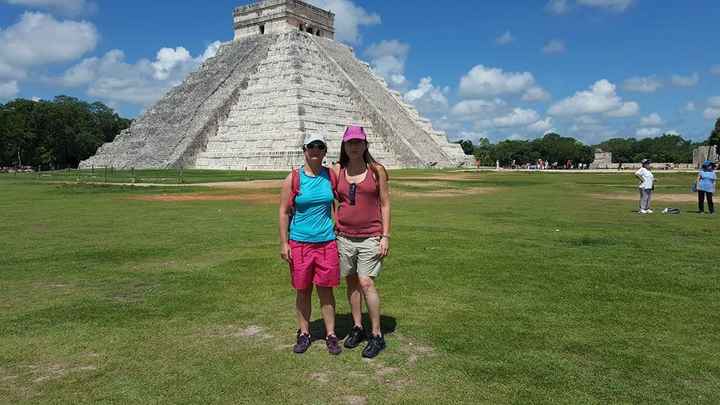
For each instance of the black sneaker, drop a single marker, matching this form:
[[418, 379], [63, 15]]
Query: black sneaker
[[353, 339], [333, 345], [303, 343], [375, 345]]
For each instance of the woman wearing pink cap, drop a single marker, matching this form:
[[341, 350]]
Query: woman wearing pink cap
[[307, 240], [362, 225]]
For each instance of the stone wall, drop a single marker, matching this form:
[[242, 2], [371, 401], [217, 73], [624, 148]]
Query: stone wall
[[704, 153], [603, 160], [280, 16]]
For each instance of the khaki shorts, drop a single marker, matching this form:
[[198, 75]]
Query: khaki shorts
[[359, 256]]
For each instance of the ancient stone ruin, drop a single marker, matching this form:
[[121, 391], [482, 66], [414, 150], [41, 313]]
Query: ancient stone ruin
[[250, 106], [603, 160], [704, 153]]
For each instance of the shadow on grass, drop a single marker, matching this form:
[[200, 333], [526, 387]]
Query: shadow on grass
[[344, 322]]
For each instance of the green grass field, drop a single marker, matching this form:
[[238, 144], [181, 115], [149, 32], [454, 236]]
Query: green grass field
[[500, 288]]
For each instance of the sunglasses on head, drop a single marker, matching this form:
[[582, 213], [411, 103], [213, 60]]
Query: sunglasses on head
[[316, 145]]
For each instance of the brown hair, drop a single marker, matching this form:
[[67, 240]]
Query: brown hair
[[367, 157]]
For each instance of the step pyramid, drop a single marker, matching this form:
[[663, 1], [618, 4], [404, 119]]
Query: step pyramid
[[250, 106]]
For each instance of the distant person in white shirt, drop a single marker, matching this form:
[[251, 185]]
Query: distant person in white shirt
[[647, 184]]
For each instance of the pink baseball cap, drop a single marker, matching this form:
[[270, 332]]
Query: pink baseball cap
[[354, 132]]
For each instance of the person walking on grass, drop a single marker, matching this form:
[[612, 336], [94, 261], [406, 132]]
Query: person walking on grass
[[363, 231], [646, 186], [307, 240], [706, 186]]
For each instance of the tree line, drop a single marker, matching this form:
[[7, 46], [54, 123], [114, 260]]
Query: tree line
[[551, 148], [55, 134]]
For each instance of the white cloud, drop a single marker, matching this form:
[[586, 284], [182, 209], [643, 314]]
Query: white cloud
[[686, 81], [648, 132], [711, 113], [168, 59], [541, 126], [651, 120], [505, 39], [477, 108], [626, 110], [474, 136], [648, 84], [690, 106], [428, 98], [536, 94], [66, 7], [388, 60], [39, 39], [516, 118], [554, 46], [483, 81], [714, 102], [586, 120], [8, 90], [557, 7], [600, 98], [348, 18], [210, 51], [11, 72], [111, 78], [715, 70], [615, 5]]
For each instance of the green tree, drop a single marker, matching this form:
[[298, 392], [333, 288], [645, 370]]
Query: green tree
[[714, 138], [58, 133]]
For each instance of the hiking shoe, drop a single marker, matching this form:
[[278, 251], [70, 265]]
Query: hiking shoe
[[356, 335], [303, 343], [375, 345], [333, 344]]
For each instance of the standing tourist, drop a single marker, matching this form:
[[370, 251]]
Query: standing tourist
[[307, 240], [706, 186], [646, 186], [363, 227]]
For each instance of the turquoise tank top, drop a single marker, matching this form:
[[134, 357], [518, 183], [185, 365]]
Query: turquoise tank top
[[312, 222]]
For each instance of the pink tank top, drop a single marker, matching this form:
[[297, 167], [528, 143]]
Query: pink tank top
[[363, 218]]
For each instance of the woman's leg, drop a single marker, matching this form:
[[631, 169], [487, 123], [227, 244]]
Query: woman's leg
[[701, 201], [372, 299], [327, 307], [711, 206], [303, 308], [354, 294]]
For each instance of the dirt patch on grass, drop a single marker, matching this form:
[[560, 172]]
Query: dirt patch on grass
[[249, 332], [320, 377], [444, 176], [39, 373], [355, 400], [422, 184], [245, 185], [444, 193], [257, 198], [671, 198]]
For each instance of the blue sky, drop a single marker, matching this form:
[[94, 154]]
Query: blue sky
[[592, 69]]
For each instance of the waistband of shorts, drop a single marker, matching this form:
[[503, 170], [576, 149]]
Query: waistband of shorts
[[297, 242], [357, 238]]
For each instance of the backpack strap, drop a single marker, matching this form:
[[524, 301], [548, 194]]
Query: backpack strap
[[294, 187]]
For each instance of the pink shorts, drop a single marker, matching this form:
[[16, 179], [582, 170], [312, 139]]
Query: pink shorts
[[314, 263]]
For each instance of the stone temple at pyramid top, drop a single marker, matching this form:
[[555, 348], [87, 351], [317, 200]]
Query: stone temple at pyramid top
[[279, 16]]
